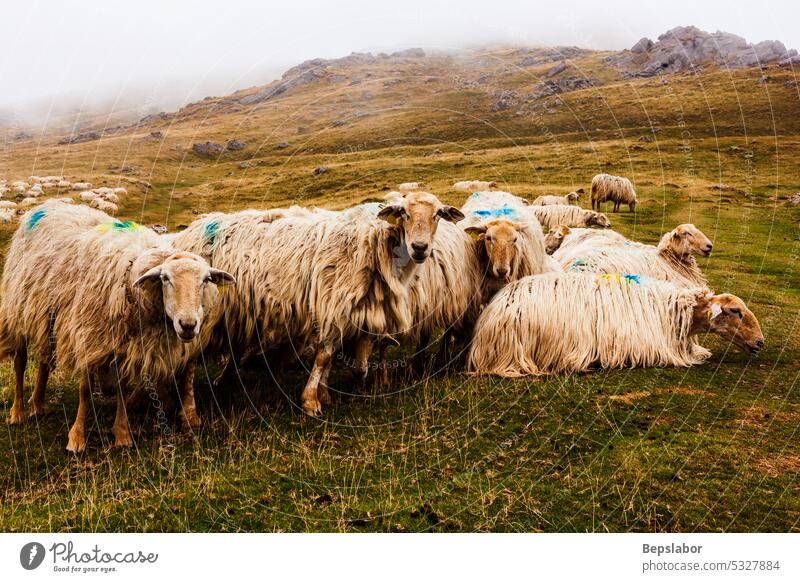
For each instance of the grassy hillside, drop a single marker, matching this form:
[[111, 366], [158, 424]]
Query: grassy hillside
[[705, 449]]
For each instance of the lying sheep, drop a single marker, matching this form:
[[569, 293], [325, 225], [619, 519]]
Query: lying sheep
[[28, 201], [572, 216], [95, 293], [617, 189], [510, 243], [562, 237], [409, 186], [7, 215], [571, 199], [81, 186], [672, 260], [574, 322], [104, 206], [474, 185], [88, 196], [7, 204], [318, 279], [120, 192]]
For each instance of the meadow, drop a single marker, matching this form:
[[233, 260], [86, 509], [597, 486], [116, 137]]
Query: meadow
[[710, 448]]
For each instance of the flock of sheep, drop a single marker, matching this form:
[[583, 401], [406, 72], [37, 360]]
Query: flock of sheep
[[32, 191], [117, 301]]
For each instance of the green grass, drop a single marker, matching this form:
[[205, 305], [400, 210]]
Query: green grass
[[712, 448]]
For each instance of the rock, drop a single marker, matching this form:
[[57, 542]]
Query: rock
[[22, 136], [563, 85], [234, 145], [159, 228], [505, 100], [320, 170], [208, 149], [244, 165], [282, 146], [642, 45], [795, 199], [156, 134], [337, 123], [80, 138], [763, 80], [558, 69], [645, 138]]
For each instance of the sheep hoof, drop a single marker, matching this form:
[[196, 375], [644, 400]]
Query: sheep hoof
[[191, 421], [16, 415], [38, 409], [312, 407], [77, 442], [325, 398], [122, 439]]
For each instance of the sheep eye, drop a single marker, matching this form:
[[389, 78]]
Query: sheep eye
[[208, 279], [489, 238], [737, 311]]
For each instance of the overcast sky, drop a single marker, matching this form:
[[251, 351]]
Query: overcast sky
[[167, 52]]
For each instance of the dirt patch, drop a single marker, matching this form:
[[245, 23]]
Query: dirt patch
[[631, 397], [781, 465], [758, 416]]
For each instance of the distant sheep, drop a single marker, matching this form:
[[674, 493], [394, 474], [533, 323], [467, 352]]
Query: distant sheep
[[571, 199], [7, 204], [572, 216], [81, 186], [104, 206], [575, 322], [616, 189], [88, 196], [409, 186], [7, 215], [672, 260], [92, 293], [28, 201], [120, 191], [474, 185]]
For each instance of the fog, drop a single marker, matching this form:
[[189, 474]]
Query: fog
[[142, 56]]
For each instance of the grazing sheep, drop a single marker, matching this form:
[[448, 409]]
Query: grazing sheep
[[562, 237], [104, 206], [617, 189], [7, 204], [409, 186], [572, 216], [64, 184], [88, 196], [672, 260], [317, 278], [510, 240], [474, 185], [81, 186], [28, 201], [95, 293], [571, 199], [574, 322]]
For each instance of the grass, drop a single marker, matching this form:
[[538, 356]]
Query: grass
[[712, 448]]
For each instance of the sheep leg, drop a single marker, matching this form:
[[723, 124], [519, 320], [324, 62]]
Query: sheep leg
[[362, 351], [310, 397], [188, 407], [17, 413], [122, 434], [77, 434], [324, 395], [419, 363], [38, 405], [382, 378]]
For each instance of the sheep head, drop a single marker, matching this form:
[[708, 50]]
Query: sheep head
[[727, 316], [554, 238], [498, 239], [416, 216], [598, 219], [572, 198], [685, 240], [182, 279]]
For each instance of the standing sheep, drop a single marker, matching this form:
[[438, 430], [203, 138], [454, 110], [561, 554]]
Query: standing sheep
[[572, 216], [96, 294], [617, 189], [474, 185], [319, 279], [574, 322], [672, 260], [411, 186]]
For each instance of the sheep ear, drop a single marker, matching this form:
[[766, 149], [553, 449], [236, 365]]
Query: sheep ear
[[450, 213], [520, 226], [151, 276], [391, 212], [475, 231], [676, 235], [219, 277]]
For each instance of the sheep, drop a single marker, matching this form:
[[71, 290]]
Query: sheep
[[95, 293], [33, 193], [617, 189], [120, 192], [562, 237], [34, 179], [64, 184], [7, 215], [510, 240], [88, 195], [574, 322], [109, 197], [550, 216], [81, 186], [20, 184], [29, 200], [411, 186], [104, 206], [7, 204], [318, 278], [474, 185], [571, 199], [672, 260], [19, 190]]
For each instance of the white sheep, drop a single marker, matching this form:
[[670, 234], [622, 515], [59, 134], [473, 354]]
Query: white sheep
[[571, 199], [104, 206], [95, 293], [572, 216], [81, 186], [617, 189], [409, 186], [574, 322], [474, 185]]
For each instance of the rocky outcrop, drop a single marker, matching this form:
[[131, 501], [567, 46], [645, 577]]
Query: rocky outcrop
[[80, 138], [685, 47]]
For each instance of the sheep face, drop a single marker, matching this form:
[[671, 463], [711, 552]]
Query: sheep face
[[554, 238], [183, 278], [599, 219], [687, 239], [499, 240], [572, 198], [727, 316], [417, 215]]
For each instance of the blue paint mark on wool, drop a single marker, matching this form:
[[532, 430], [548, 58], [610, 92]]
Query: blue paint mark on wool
[[35, 218], [211, 230], [502, 212]]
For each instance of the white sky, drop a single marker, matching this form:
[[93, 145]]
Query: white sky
[[166, 52]]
